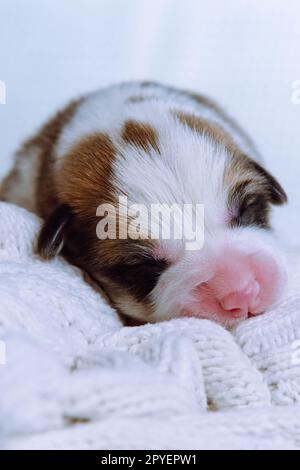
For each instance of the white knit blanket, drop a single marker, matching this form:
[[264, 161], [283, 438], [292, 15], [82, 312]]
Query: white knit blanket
[[72, 376]]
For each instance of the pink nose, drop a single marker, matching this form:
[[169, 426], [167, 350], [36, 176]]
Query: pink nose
[[240, 303]]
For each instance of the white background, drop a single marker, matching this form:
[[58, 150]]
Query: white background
[[244, 53]]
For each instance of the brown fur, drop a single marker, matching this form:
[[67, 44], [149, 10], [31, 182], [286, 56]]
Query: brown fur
[[140, 135], [42, 145], [209, 103], [85, 179], [205, 127], [46, 140]]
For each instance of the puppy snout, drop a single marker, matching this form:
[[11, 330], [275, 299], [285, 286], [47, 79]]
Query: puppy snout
[[241, 302], [242, 286]]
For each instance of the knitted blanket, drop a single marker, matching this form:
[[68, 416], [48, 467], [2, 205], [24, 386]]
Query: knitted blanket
[[72, 376]]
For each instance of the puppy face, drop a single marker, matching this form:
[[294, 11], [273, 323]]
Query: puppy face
[[235, 273]]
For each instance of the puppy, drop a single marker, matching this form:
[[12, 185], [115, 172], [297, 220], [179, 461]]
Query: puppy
[[151, 144]]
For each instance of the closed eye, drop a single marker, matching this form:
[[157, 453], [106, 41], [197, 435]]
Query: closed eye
[[139, 277], [253, 210]]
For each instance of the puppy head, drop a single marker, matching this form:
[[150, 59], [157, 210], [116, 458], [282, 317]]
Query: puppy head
[[236, 272]]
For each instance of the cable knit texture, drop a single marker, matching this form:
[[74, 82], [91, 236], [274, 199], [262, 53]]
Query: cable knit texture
[[75, 377]]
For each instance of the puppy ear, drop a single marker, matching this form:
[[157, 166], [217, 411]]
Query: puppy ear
[[52, 235], [276, 193]]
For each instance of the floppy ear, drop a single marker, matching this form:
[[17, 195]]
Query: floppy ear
[[276, 193], [52, 234]]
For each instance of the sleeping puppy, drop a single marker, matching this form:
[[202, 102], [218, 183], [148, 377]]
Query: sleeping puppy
[[148, 144]]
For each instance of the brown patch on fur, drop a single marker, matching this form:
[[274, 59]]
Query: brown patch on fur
[[82, 184], [209, 103], [140, 135], [46, 141], [85, 179], [202, 126], [42, 185]]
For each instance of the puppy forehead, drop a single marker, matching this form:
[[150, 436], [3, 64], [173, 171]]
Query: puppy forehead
[[156, 155], [138, 131], [172, 163]]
